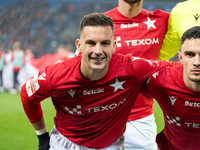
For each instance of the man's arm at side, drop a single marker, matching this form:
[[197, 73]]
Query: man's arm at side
[[35, 116]]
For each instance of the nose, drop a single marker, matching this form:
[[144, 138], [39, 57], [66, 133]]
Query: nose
[[197, 60], [98, 49]]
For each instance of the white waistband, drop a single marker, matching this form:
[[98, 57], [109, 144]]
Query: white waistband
[[58, 141]]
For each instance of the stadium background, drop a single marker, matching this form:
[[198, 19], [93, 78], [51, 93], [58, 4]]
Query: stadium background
[[42, 25]]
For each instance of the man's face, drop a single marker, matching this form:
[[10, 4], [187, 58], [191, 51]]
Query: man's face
[[96, 45], [132, 1], [190, 57]]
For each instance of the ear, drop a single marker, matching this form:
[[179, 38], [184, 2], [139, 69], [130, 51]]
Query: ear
[[114, 46], [180, 57], [78, 45]]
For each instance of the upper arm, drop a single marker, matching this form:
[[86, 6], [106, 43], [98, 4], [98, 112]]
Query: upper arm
[[148, 89], [144, 68]]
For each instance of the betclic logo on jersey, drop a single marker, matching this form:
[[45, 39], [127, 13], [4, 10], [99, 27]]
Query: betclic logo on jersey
[[95, 91], [87, 92], [129, 25], [192, 104]]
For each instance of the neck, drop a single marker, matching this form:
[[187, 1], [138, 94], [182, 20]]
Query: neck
[[129, 10], [93, 75], [195, 86], [191, 84]]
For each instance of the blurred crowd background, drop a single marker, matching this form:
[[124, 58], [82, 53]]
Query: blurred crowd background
[[42, 25]]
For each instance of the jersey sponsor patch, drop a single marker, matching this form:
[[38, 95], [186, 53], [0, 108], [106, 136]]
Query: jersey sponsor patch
[[32, 85]]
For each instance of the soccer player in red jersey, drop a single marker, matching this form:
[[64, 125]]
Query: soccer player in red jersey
[[139, 32], [92, 93], [177, 90]]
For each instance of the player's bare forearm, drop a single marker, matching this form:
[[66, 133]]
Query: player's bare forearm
[[39, 125]]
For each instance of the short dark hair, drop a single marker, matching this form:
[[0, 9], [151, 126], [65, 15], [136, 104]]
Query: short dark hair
[[96, 19], [192, 33]]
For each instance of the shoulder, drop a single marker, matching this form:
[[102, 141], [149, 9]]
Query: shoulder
[[169, 74], [63, 68], [115, 15], [155, 12], [158, 13], [111, 12], [185, 3], [181, 5], [122, 57], [118, 58], [121, 62], [161, 13]]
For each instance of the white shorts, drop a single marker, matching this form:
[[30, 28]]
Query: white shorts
[[141, 134], [60, 142]]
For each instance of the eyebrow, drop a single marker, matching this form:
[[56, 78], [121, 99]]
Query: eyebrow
[[88, 41], [188, 51], [109, 41]]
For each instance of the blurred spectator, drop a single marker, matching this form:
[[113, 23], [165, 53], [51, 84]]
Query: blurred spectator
[[8, 56], [8, 70], [1, 70], [28, 55], [18, 62]]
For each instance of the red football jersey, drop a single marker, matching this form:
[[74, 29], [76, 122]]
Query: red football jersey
[[181, 108], [141, 36], [89, 113]]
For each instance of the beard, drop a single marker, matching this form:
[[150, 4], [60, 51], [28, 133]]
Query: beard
[[132, 1]]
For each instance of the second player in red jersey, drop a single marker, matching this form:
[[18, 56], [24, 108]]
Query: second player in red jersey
[[177, 90]]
